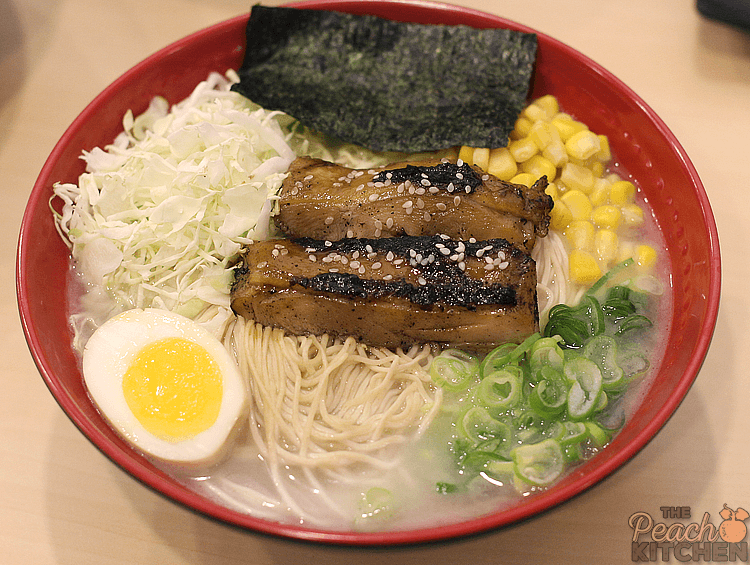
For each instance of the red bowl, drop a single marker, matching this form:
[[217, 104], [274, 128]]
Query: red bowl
[[642, 142]]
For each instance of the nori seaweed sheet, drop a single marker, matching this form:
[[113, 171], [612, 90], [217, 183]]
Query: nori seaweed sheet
[[386, 85]]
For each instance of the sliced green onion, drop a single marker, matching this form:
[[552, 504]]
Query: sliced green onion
[[574, 433], [548, 398], [540, 463], [583, 396], [598, 434], [546, 352], [497, 359], [610, 275], [633, 322], [602, 350], [454, 370], [633, 364], [500, 390], [478, 425]]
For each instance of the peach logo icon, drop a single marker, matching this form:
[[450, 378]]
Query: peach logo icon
[[733, 528]]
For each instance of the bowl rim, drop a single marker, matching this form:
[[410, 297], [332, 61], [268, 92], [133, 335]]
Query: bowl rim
[[464, 528]]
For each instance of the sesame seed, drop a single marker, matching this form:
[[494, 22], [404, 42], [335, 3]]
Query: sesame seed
[[480, 252], [451, 188], [487, 259], [425, 182], [295, 191], [350, 234], [387, 277], [354, 264], [312, 258], [275, 252], [424, 176], [444, 237], [412, 253], [398, 262], [373, 197], [456, 200], [433, 189], [329, 220], [441, 206], [377, 265], [389, 175], [379, 185], [361, 270], [420, 191], [389, 223], [485, 177], [355, 255], [389, 256], [503, 265], [427, 216], [333, 270], [343, 260], [460, 163], [409, 210], [327, 243], [462, 266], [400, 189], [459, 176], [327, 259], [285, 251], [412, 190], [501, 255], [368, 248], [489, 266], [472, 240], [378, 232], [421, 281], [310, 249], [337, 185], [371, 255], [407, 204], [378, 224], [468, 189], [420, 203], [445, 251], [262, 265], [359, 173], [460, 247], [308, 177], [455, 257]]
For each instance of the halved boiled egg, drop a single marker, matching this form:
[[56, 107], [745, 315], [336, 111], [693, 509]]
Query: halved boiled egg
[[165, 384]]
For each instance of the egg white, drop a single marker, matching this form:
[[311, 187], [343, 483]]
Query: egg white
[[111, 350]]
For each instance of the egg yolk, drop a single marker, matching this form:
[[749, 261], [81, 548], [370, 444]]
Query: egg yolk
[[174, 388]]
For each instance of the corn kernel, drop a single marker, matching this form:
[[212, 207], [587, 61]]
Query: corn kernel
[[466, 153], [566, 126], [577, 177], [583, 267], [632, 215], [622, 192], [523, 178], [604, 154], [481, 157], [522, 127], [597, 168], [582, 145], [549, 104], [600, 193], [645, 256], [555, 152], [522, 149], [535, 113], [607, 216], [606, 245], [538, 166], [502, 164], [560, 216], [580, 234], [552, 191], [543, 133], [578, 203]]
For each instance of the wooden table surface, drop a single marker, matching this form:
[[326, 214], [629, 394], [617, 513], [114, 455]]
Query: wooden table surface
[[62, 502]]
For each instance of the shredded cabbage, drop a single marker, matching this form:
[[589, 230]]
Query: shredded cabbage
[[159, 216]]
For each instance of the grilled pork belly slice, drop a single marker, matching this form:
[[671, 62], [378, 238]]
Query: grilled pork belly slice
[[326, 201], [391, 292]]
